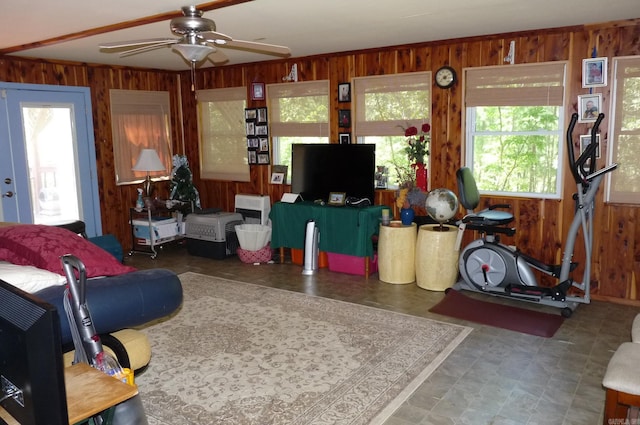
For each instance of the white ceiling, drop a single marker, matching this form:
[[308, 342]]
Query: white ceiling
[[307, 27]]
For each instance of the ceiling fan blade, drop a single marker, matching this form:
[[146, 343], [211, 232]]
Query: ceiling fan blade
[[212, 36], [131, 43], [270, 49], [146, 48], [217, 57]]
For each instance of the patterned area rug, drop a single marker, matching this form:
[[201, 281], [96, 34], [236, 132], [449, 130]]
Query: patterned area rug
[[238, 353]]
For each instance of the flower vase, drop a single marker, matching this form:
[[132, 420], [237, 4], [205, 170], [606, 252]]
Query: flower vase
[[421, 176], [406, 216]]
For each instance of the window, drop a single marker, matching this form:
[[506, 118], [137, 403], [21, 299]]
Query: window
[[514, 134], [140, 120], [222, 138], [298, 113], [624, 183], [384, 107]]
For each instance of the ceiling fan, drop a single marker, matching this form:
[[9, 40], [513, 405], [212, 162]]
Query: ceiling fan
[[197, 40]]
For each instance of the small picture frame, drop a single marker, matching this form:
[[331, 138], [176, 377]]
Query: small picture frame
[[337, 198], [344, 118], [257, 91], [263, 144], [344, 92], [250, 114], [250, 128], [281, 169], [584, 142], [345, 138], [589, 106], [262, 115], [252, 142], [263, 158], [261, 130], [594, 72], [277, 178]]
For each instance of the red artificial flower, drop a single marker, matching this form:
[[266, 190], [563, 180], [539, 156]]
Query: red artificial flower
[[426, 127], [411, 131]]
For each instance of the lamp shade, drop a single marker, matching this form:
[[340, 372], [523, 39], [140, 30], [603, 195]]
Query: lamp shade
[[148, 161]]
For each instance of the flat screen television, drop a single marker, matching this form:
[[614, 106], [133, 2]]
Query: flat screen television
[[319, 169], [31, 359]]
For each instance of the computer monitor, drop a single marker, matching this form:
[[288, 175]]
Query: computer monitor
[[31, 369]]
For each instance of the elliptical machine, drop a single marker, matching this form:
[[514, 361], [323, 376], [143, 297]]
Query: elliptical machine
[[490, 267]]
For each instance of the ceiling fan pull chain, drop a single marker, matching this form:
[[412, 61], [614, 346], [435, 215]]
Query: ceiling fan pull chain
[[193, 76]]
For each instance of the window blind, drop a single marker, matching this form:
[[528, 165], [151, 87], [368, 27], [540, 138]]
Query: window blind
[[299, 109], [540, 84], [221, 134], [624, 184], [384, 104]]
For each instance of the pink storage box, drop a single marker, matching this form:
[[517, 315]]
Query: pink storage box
[[350, 264]]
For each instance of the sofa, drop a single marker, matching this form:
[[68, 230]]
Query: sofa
[[118, 296]]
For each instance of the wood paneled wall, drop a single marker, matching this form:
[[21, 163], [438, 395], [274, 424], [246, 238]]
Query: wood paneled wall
[[541, 224]]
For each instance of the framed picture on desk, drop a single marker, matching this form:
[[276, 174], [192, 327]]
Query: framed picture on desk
[[337, 198]]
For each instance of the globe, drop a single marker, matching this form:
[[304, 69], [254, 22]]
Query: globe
[[441, 204]]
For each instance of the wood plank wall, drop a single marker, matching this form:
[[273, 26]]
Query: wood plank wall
[[541, 224]]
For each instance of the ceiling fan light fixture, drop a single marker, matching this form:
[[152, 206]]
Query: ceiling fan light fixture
[[193, 52]]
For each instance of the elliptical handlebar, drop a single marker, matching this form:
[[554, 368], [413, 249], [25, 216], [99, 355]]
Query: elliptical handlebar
[[570, 153], [585, 165]]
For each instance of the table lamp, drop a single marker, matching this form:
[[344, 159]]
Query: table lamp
[[148, 161]]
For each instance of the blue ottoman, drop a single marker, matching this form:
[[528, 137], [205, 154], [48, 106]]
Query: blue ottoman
[[110, 244]]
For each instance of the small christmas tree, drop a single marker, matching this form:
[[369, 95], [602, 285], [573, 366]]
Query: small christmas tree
[[182, 188]]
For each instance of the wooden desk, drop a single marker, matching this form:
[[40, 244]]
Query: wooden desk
[[90, 391]]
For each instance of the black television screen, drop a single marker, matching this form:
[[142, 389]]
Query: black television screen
[[31, 359], [319, 169]]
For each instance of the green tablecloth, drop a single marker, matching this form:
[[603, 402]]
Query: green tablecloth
[[343, 230]]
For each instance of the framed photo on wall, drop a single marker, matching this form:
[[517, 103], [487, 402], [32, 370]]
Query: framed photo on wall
[[589, 106], [345, 138], [344, 118], [262, 115], [344, 92], [584, 142], [594, 72], [257, 91]]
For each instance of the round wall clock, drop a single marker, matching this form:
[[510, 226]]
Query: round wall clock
[[446, 77]]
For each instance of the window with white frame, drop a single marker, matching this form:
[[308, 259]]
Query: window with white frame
[[514, 128], [298, 113], [139, 120], [221, 131], [624, 183], [384, 107]]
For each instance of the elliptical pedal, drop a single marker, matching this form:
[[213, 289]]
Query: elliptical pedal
[[557, 293]]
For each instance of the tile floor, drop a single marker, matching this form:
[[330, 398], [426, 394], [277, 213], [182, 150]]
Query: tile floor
[[494, 377]]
